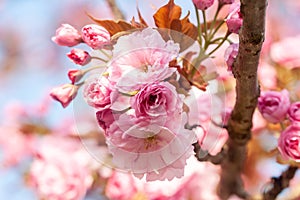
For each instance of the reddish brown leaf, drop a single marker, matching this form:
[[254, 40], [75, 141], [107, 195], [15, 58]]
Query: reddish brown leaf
[[137, 24], [113, 27], [166, 14], [142, 21]]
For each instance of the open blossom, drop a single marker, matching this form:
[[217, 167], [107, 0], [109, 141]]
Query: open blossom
[[156, 100], [67, 35], [120, 186], [289, 143], [286, 52], [105, 117], [95, 36], [53, 174], [274, 105], [203, 4], [64, 94], [141, 58], [79, 56], [234, 20], [230, 55], [97, 93], [294, 112], [143, 148]]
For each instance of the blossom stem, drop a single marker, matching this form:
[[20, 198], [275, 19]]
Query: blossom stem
[[220, 44], [211, 27], [92, 68], [97, 58], [205, 27], [106, 54], [199, 26]]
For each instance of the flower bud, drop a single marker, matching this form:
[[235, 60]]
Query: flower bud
[[234, 20], [95, 36], [230, 55], [79, 56], [288, 143], [67, 35], [294, 113], [274, 105], [226, 1], [75, 75], [64, 94], [203, 4]]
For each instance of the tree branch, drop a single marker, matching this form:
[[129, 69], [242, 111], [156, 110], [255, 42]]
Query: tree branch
[[115, 9], [280, 183], [251, 37], [202, 155]]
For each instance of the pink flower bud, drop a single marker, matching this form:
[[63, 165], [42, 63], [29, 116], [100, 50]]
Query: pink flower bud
[[274, 105], [288, 143], [230, 55], [226, 1], [75, 75], [203, 4], [64, 93], [234, 20], [95, 36], [67, 35], [294, 113], [79, 56]]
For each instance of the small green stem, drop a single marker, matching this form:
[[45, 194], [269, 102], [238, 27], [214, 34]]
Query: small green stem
[[106, 54], [214, 21], [205, 25], [84, 71], [199, 26], [220, 44], [282, 126], [97, 58]]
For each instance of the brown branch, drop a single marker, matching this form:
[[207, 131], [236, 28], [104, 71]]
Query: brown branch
[[118, 14], [280, 183], [251, 37], [203, 155]]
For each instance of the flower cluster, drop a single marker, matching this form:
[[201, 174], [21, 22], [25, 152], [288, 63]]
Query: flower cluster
[[140, 111], [276, 108]]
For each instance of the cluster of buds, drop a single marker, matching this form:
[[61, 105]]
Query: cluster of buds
[[276, 107], [95, 37]]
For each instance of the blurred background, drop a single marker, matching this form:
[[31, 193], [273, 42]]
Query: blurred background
[[31, 64]]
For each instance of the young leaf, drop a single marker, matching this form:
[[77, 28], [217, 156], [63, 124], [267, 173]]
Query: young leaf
[[166, 14]]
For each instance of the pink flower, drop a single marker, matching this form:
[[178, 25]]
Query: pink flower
[[203, 4], [97, 93], [289, 143], [234, 20], [286, 53], [75, 75], [105, 118], [95, 36], [53, 173], [294, 112], [226, 1], [150, 149], [156, 100], [64, 94], [15, 145], [274, 105], [67, 35], [141, 58], [230, 55], [79, 56], [120, 186]]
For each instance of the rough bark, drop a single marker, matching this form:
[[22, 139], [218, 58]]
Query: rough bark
[[251, 38], [280, 183]]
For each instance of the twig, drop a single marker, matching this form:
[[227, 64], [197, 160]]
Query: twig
[[280, 183], [115, 9], [203, 155], [251, 37]]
